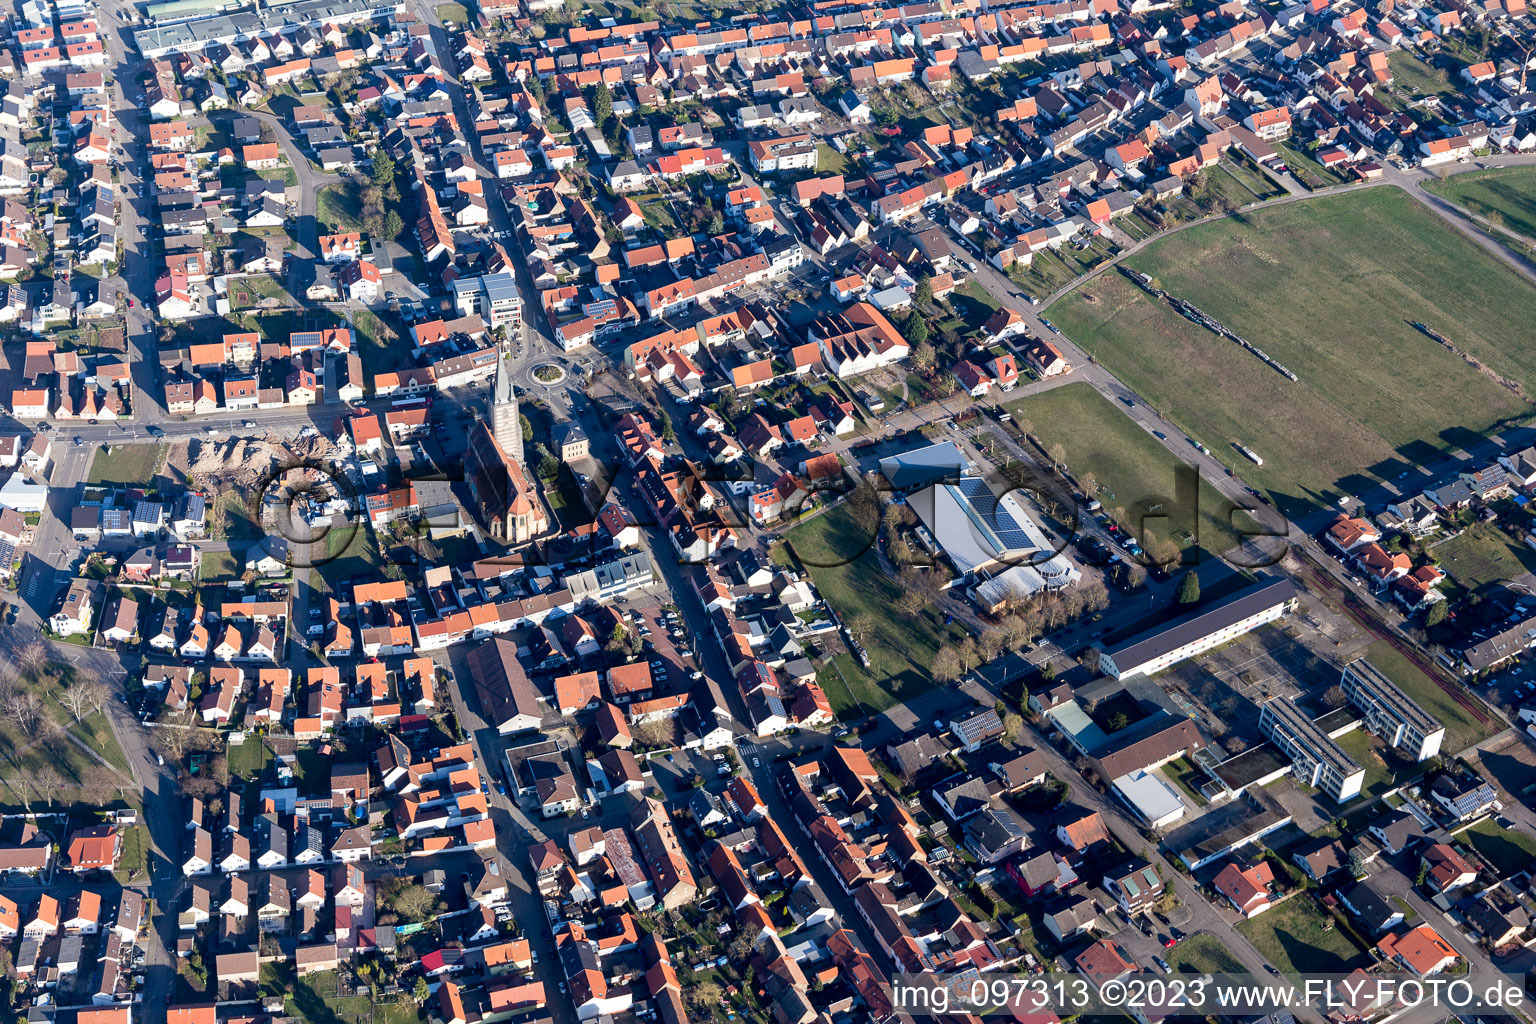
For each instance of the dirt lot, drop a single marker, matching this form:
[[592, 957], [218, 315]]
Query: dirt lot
[[245, 462], [1510, 765]]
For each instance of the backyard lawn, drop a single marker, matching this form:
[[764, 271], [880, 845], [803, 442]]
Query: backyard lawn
[[840, 558], [133, 465], [1328, 287], [1507, 851], [1465, 718], [249, 759], [1510, 192], [829, 160], [1297, 938], [1484, 554], [1128, 463]]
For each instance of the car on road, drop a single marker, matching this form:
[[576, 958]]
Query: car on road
[[79, 442], [249, 424], [1049, 326], [1159, 435], [130, 303], [1162, 963]]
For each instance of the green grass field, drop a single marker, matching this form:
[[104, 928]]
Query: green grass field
[[233, 518], [1507, 851], [219, 567], [351, 554], [1293, 936], [1412, 76], [829, 160], [1509, 192], [132, 464], [96, 732], [1128, 463], [382, 347], [1462, 728], [841, 560], [1203, 954], [1327, 287], [339, 207], [1484, 554], [249, 759], [1371, 755]]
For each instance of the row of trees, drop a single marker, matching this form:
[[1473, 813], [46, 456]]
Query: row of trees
[[30, 685], [1020, 623]]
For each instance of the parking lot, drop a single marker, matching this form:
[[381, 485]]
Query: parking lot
[[667, 648]]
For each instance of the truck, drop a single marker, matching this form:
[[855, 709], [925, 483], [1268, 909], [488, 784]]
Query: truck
[[1248, 453]]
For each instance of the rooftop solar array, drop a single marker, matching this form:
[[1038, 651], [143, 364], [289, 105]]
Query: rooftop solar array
[[1010, 535]]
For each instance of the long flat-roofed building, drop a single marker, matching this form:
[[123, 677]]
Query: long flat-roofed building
[[1390, 713], [1200, 631], [1315, 759]]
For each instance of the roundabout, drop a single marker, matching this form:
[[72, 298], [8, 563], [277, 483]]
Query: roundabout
[[547, 375]]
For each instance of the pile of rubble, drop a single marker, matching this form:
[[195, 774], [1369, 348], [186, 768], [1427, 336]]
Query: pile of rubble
[[245, 462]]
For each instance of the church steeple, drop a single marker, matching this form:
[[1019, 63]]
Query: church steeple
[[506, 418]]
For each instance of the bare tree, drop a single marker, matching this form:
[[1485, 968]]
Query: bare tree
[[652, 733], [991, 644], [32, 657], [24, 708], [946, 665], [860, 626], [413, 902], [968, 653], [83, 696], [46, 783]]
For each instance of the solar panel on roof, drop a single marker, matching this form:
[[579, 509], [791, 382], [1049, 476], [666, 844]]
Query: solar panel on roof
[[997, 518]]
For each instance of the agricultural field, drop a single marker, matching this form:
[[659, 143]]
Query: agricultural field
[[1328, 287], [1507, 196], [1127, 463]]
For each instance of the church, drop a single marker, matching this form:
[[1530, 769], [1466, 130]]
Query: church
[[505, 502]]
